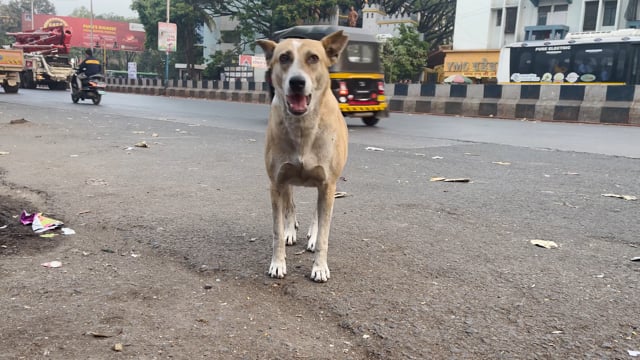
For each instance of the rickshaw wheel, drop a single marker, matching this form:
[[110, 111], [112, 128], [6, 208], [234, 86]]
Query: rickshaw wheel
[[370, 121]]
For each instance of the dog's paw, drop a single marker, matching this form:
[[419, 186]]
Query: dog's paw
[[311, 242], [290, 233], [278, 269], [320, 273]]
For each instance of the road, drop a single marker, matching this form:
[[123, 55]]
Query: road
[[420, 269]]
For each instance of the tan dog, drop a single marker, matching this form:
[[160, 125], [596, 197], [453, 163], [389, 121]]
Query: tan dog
[[306, 142]]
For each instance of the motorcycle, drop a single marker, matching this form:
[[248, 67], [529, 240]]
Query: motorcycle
[[93, 87]]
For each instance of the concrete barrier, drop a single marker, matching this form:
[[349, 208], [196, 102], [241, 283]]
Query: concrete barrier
[[602, 104]]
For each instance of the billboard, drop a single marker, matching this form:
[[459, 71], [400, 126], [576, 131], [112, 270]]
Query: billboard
[[114, 35], [167, 35]]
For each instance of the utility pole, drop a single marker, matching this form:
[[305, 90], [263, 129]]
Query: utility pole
[[166, 63]]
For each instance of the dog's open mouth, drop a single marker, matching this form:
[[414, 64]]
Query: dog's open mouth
[[298, 103]]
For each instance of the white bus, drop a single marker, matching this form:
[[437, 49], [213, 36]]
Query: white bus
[[611, 57]]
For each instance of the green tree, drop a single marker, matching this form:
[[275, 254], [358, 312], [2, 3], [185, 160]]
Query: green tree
[[188, 15], [405, 56], [261, 18], [435, 17], [11, 15]]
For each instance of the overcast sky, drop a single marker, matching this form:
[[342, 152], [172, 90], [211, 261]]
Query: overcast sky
[[118, 7]]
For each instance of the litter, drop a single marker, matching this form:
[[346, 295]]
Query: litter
[[52, 264], [372, 148], [464, 180], [4, 153], [624, 197], [39, 223], [437, 157], [544, 243], [505, 163], [637, 258], [340, 194], [633, 353], [68, 231], [141, 144], [3, 227], [49, 235]]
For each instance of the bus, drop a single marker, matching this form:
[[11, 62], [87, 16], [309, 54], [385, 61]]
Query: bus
[[608, 57]]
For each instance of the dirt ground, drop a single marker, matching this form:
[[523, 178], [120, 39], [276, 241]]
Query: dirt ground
[[172, 246]]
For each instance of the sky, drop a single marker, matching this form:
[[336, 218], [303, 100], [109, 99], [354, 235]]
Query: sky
[[118, 7]]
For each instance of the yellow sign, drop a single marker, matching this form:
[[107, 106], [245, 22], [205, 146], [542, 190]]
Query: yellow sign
[[472, 63]]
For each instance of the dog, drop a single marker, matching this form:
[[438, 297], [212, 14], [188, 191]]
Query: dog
[[306, 142]]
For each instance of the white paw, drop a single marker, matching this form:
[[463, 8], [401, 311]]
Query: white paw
[[278, 269], [290, 233], [320, 273], [312, 236]]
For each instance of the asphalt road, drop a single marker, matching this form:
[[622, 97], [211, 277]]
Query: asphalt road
[[422, 267]]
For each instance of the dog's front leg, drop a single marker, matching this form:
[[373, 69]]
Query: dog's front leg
[[320, 269], [280, 197]]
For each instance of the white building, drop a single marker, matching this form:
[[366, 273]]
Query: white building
[[490, 24]]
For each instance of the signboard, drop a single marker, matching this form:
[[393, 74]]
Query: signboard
[[167, 36], [113, 35], [132, 70], [259, 62], [245, 60], [471, 63]]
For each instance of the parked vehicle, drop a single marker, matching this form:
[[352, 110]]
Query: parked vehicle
[[609, 57], [357, 79], [11, 63], [92, 88], [46, 60]]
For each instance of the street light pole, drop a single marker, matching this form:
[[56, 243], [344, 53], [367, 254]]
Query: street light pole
[[91, 26], [166, 63], [32, 20]]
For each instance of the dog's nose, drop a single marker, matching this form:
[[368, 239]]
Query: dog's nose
[[297, 84]]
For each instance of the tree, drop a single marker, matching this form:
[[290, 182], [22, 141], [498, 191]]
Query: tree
[[405, 56], [188, 15], [261, 18], [11, 15], [435, 17]]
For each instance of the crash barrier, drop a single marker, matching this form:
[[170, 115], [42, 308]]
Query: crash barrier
[[606, 104]]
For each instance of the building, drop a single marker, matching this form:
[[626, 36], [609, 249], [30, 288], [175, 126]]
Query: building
[[482, 27], [491, 24]]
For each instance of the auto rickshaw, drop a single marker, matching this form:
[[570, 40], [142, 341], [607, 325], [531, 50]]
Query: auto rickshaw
[[357, 79]]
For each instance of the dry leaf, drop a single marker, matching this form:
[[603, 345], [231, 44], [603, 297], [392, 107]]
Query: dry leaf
[[544, 243], [624, 197]]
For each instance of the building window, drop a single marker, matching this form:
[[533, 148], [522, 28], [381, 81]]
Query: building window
[[590, 16], [560, 8], [510, 20], [609, 14], [499, 17], [543, 11]]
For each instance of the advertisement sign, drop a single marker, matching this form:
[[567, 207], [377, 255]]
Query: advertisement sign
[[259, 61], [167, 36], [471, 63], [245, 60], [113, 35], [132, 70]]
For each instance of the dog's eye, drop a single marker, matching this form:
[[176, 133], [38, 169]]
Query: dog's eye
[[284, 58], [313, 59]]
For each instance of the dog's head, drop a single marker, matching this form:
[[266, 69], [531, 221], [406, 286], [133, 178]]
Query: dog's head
[[300, 68]]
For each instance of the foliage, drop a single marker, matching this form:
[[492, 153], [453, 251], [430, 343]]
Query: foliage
[[216, 66], [188, 15], [11, 15], [261, 18], [404, 57], [436, 17]]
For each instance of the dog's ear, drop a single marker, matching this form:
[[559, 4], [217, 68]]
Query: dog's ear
[[334, 44], [268, 46]]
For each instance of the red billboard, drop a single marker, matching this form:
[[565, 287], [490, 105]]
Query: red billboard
[[114, 35]]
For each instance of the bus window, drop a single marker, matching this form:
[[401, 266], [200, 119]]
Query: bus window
[[605, 62], [552, 62]]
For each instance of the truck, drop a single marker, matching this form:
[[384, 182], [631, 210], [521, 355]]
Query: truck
[[46, 57], [11, 64]]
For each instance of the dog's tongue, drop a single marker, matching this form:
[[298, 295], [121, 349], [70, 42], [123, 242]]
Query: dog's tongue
[[297, 103]]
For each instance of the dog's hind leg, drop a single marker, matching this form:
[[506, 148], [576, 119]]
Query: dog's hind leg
[[290, 223], [320, 269], [280, 198]]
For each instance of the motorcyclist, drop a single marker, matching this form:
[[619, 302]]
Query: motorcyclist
[[90, 66]]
